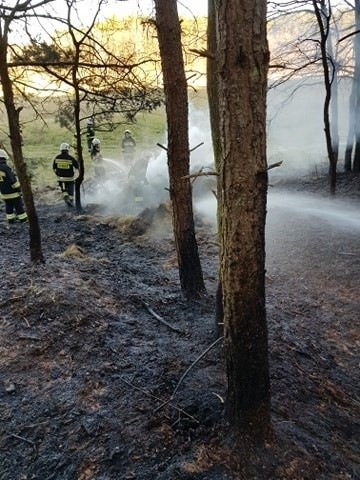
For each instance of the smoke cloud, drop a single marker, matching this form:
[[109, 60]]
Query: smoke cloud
[[295, 137]]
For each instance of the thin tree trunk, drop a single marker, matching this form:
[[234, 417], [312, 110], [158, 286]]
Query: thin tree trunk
[[323, 22], [213, 97], [13, 113], [175, 86], [351, 129], [77, 104], [334, 102]]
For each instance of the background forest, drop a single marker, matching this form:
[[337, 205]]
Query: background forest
[[295, 98]]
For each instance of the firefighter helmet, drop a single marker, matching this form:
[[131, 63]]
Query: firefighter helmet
[[3, 154], [127, 131], [64, 146], [96, 141]]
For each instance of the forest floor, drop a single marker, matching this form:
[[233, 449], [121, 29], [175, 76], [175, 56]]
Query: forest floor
[[96, 347]]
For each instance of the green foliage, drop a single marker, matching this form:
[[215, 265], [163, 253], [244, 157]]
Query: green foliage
[[65, 115], [40, 53]]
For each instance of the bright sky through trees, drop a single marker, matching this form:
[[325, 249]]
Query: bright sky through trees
[[134, 7], [200, 7]]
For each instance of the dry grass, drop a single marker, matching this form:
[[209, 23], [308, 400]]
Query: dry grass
[[73, 251]]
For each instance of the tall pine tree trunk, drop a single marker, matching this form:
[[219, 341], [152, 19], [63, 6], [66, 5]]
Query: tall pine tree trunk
[[213, 97], [242, 66], [175, 87]]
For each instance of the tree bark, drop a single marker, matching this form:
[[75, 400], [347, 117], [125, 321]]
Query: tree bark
[[243, 63], [175, 87], [334, 102], [323, 16], [212, 75], [77, 104]]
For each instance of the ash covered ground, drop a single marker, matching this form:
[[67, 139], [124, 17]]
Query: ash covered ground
[[97, 344]]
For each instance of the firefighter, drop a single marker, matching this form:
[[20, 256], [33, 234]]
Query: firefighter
[[128, 146], [97, 159], [64, 166], [138, 171], [11, 192], [137, 182]]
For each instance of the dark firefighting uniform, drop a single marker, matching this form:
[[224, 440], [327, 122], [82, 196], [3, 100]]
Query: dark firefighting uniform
[[128, 146], [98, 161], [11, 194], [137, 181], [90, 135], [64, 166]]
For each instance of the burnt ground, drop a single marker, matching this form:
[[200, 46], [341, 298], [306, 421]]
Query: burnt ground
[[96, 346]]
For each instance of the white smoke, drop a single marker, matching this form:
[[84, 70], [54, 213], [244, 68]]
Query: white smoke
[[111, 193], [295, 137]]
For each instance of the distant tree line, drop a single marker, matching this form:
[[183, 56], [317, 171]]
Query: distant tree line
[[321, 40]]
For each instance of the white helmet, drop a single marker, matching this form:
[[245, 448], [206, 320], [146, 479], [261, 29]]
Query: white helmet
[[64, 146], [127, 131], [96, 141], [3, 154]]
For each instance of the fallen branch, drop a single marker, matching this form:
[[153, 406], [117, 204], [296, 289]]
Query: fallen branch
[[12, 299], [23, 439], [187, 371], [164, 322], [194, 363], [156, 398]]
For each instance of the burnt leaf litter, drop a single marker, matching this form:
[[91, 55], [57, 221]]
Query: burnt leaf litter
[[102, 374]]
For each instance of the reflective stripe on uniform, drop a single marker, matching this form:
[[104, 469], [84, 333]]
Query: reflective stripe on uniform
[[15, 185], [10, 216], [66, 179], [22, 217], [63, 164], [10, 196]]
